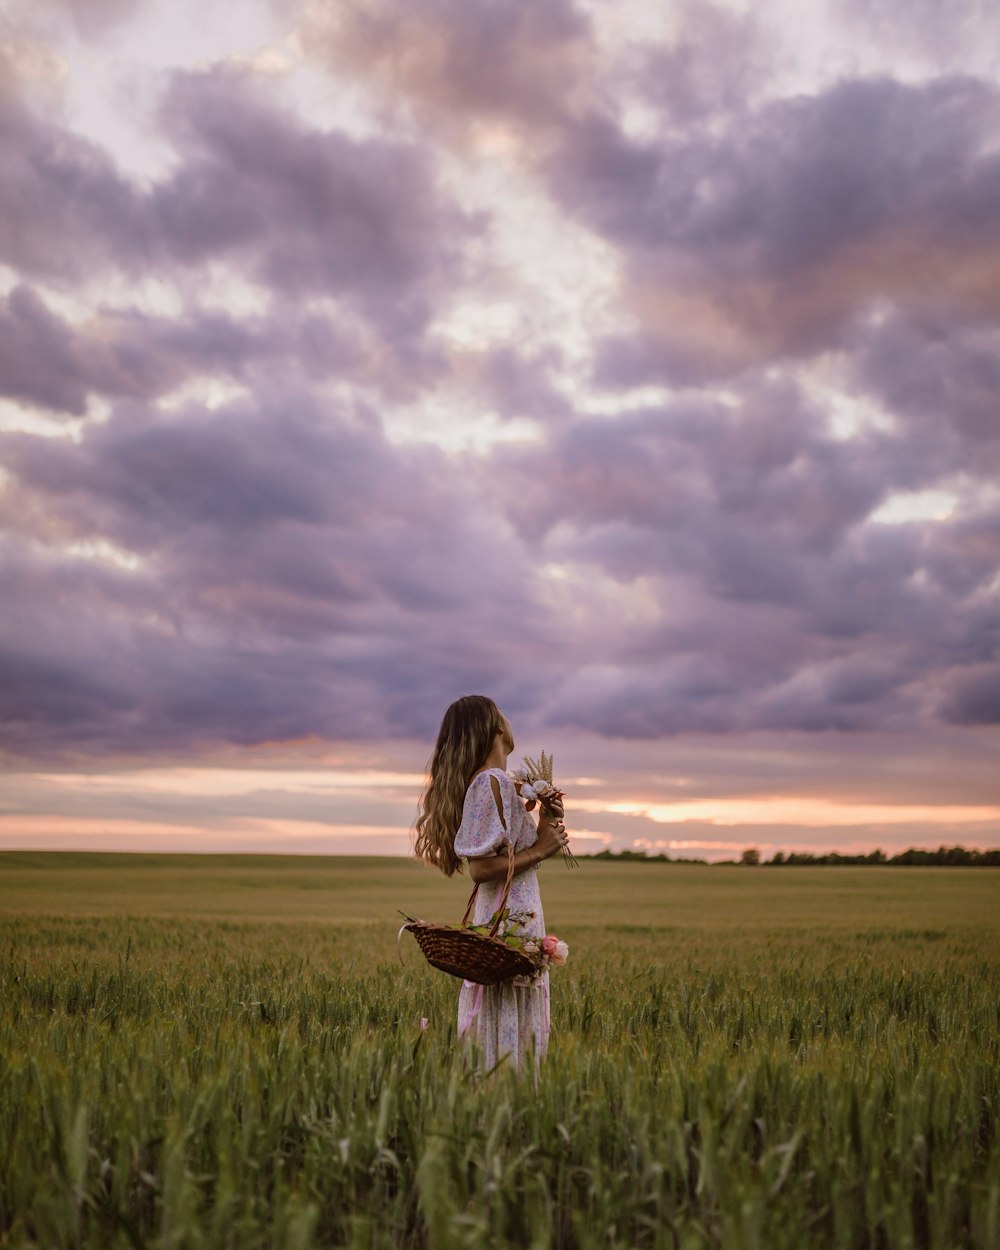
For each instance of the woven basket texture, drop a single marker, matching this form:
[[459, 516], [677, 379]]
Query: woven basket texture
[[471, 956]]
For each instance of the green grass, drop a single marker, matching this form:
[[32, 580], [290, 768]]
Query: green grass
[[225, 1052]]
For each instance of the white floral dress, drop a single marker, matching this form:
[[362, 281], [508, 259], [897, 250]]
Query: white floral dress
[[510, 1019]]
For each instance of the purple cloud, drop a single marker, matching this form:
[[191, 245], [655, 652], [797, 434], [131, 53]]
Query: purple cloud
[[766, 242], [303, 210], [298, 210], [66, 210], [972, 697], [89, 19], [290, 569], [713, 63], [303, 560], [58, 365], [517, 63], [939, 374]]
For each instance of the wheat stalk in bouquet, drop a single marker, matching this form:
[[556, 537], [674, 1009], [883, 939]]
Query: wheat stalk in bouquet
[[535, 785]]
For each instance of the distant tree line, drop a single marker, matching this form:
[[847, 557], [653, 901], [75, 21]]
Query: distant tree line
[[944, 856], [640, 856]]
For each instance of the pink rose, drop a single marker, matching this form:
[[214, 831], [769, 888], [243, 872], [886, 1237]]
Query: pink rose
[[557, 950]]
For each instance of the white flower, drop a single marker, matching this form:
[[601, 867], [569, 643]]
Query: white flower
[[560, 954], [528, 793], [542, 787], [520, 774]]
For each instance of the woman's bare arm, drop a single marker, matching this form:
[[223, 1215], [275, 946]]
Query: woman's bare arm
[[485, 868], [494, 867]]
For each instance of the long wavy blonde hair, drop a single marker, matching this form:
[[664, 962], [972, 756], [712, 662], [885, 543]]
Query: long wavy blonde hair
[[468, 732]]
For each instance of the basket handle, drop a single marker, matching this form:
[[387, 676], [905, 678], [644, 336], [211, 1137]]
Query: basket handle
[[503, 898], [510, 869]]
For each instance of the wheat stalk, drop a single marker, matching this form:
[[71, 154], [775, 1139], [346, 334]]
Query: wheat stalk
[[541, 769]]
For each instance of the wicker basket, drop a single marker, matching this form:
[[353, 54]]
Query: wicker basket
[[462, 952]]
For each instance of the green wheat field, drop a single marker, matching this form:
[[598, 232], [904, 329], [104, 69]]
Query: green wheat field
[[226, 1052]]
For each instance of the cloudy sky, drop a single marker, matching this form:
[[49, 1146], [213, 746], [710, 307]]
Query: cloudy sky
[[634, 364]]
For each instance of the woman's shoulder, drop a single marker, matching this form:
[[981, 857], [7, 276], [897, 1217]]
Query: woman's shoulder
[[483, 781], [483, 825], [481, 785], [483, 778]]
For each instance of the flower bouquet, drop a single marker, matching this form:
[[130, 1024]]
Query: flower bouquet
[[533, 781]]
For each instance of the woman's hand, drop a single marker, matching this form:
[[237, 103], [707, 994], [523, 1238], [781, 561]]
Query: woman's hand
[[552, 836], [555, 805]]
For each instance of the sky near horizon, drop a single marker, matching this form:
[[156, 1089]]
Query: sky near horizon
[[634, 364]]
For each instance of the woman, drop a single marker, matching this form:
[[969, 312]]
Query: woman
[[469, 810]]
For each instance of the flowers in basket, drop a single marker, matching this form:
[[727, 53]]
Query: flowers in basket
[[550, 949], [541, 950], [533, 781]]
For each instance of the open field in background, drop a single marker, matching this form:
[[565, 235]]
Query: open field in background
[[225, 1052], [341, 889]]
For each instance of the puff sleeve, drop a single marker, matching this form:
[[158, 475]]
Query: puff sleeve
[[482, 832]]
